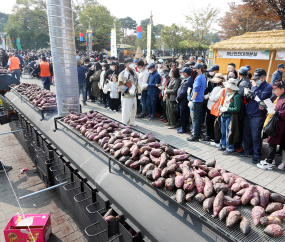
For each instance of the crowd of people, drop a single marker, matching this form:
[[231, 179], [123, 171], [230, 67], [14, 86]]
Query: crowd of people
[[225, 111]]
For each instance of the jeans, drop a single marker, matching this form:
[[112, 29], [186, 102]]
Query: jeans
[[197, 110], [82, 89], [151, 101], [252, 141], [46, 82], [184, 114], [16, 73], [225, 133], [143, 101]]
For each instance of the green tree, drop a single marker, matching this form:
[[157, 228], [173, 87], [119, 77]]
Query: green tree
[[127, 23], [29, 23], [100, 20], [130, 40], [201, 21]]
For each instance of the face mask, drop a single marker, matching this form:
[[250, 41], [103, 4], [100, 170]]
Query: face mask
[[171, 75], [132, 66], [182, 76], [135, 65], [211, 73], [258, 83], [195, 73], [112, 68], [159, 65], [86, 64], [139, 69], [150, 71]]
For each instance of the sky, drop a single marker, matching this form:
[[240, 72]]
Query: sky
[[164, 12]]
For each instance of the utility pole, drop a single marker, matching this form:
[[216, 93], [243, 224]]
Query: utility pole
[[151, 17]]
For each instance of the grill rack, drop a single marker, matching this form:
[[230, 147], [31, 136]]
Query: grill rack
[[256, 234], [39, 109]]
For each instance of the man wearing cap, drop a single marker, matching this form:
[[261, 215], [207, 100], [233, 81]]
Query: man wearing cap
[[187, 82], [152, 91], [143, 76], [200, 60], [254, 118], [213, 70], [243, 81], [197, 98], [277, 75], [127, 86]]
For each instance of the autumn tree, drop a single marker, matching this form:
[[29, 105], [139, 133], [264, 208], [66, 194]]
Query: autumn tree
[[242, 18], [271, 8], [127, 24]]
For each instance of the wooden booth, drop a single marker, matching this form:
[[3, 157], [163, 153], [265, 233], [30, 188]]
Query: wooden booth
[[264, 49]]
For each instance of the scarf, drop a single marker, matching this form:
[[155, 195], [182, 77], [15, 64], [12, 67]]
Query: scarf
[[228, 98]]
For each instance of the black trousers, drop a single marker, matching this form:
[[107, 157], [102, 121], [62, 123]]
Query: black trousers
[[163, 104], [272, 153], [210, 119], [114, 103]]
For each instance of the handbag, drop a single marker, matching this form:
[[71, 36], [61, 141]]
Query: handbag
[[271, 127], [215, 110]]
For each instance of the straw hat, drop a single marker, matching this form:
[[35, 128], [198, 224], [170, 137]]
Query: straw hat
[[231, 84], [217, 78]]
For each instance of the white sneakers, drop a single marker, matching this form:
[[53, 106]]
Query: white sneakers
[[281, 166], [264, 165], [134, 124], [215, 144]]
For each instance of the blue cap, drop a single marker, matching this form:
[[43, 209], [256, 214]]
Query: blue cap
[[150, 66], [136, 61], [161, 61], [214, 68], [198, 66], [243, 70], [248, 67], [187, 70]]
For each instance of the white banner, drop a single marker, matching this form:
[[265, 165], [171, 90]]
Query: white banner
[[113, 42], [149, 29], [244, 54], [280, 55]]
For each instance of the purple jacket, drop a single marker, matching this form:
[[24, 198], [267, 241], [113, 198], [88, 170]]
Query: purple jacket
[[280, 107]]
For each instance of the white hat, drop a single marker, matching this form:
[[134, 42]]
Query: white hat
[[231, 84]]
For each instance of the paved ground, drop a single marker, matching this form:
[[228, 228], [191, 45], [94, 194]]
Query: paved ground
[[64, 228], [273, 179]]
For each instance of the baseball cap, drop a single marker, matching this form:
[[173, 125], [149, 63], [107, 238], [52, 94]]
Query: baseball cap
[[214, 68], [186, 70], [199, 58], [150, 66], [248, 67], [258, 73], [198, 66], [113, 63], [165, 72], [127, 60], [281, 65], [192, 63], [243, 70], [160, 60], [136, 61]]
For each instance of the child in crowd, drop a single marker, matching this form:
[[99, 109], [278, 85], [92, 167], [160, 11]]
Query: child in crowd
[[114, 94]]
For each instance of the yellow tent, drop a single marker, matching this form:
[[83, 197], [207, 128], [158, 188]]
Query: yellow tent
[[264, 49]]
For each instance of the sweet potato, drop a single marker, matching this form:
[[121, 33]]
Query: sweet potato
[[190, 196], [179, 181], [149, 166], [125, 151], [275, 197], [233, 218], [204, 168], [171, 168], [245, 226], [273, 207], [169, 163], [225, 177], [108, 213], [118, 146], [263, 197], [117, 154], [229, 193], [135, 151], [235, 187], [110, 219], [208, 188], [225, 211], [156, 152], [187, 173], [256, 213], [213, 173], [169, 151], [123, 159], [201, 172], [241, 192], [149, 174], [180, 196], [228, 201], [217, 179], [246, 197], [208, 203], [274, 230], [211, 163], [244, 184], [197, 162], [170, 183], [144, 160], [164, 172], [181, 157], [199, 183], [279, 214], [231, 182], [218, 203], [163, 160], [128, 144], [154, 145], [159, 182], [221, 187], [200, 198], [135, 165], [255, 199], [188, 185], [156, 173], [155, 160], [269, 220]]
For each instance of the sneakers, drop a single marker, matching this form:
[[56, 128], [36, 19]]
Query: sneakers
[[84, 104], [240, 150], [193, 139], [114, 110], [227, 152], [172, 127], [134, 124], [281, 166], [244, 154], [215, 144], [221, 148], [255, 160], [151, 118], [265, 166], [7, 168], [181, 131], [265, 162], [179, 128], [206, 139], [278, 152]]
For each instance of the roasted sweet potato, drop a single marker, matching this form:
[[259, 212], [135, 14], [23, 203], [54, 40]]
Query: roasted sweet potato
[[180, 196], [274, 230], [170, 183], [211, 163], [233, 218], [213, 173], [273, 207], [190, 196], [156, 173], [149, 166], [200, 198], [218, 203], [208, 188], [245, 226], [275, 197], [246, 197], [217, 179], [255, 199], [269, 220], [199, 183], [279, 214], [225, 211], [179, 181], [256, 213], [235, 187], [188, 185], [159, 182], [221, 187], [208, 204]]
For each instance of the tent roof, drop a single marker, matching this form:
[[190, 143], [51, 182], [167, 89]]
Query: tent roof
[[263, 40]]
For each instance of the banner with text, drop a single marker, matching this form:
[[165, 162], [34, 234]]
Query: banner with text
[[113, 42], [89, 43], [280, 55], [244, 54], [149, 28]]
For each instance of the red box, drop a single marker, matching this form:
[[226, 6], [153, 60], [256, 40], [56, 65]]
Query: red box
[[17, 228]]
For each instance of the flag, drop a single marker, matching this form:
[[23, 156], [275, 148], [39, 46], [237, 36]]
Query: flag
[[139, 32], [81, 37]]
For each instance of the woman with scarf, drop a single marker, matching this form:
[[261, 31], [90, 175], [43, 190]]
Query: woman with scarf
[[95, 79], [279, 102], [231, 106]]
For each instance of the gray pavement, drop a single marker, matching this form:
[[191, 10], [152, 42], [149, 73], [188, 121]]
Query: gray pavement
[[271, 179], [64, 227]]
